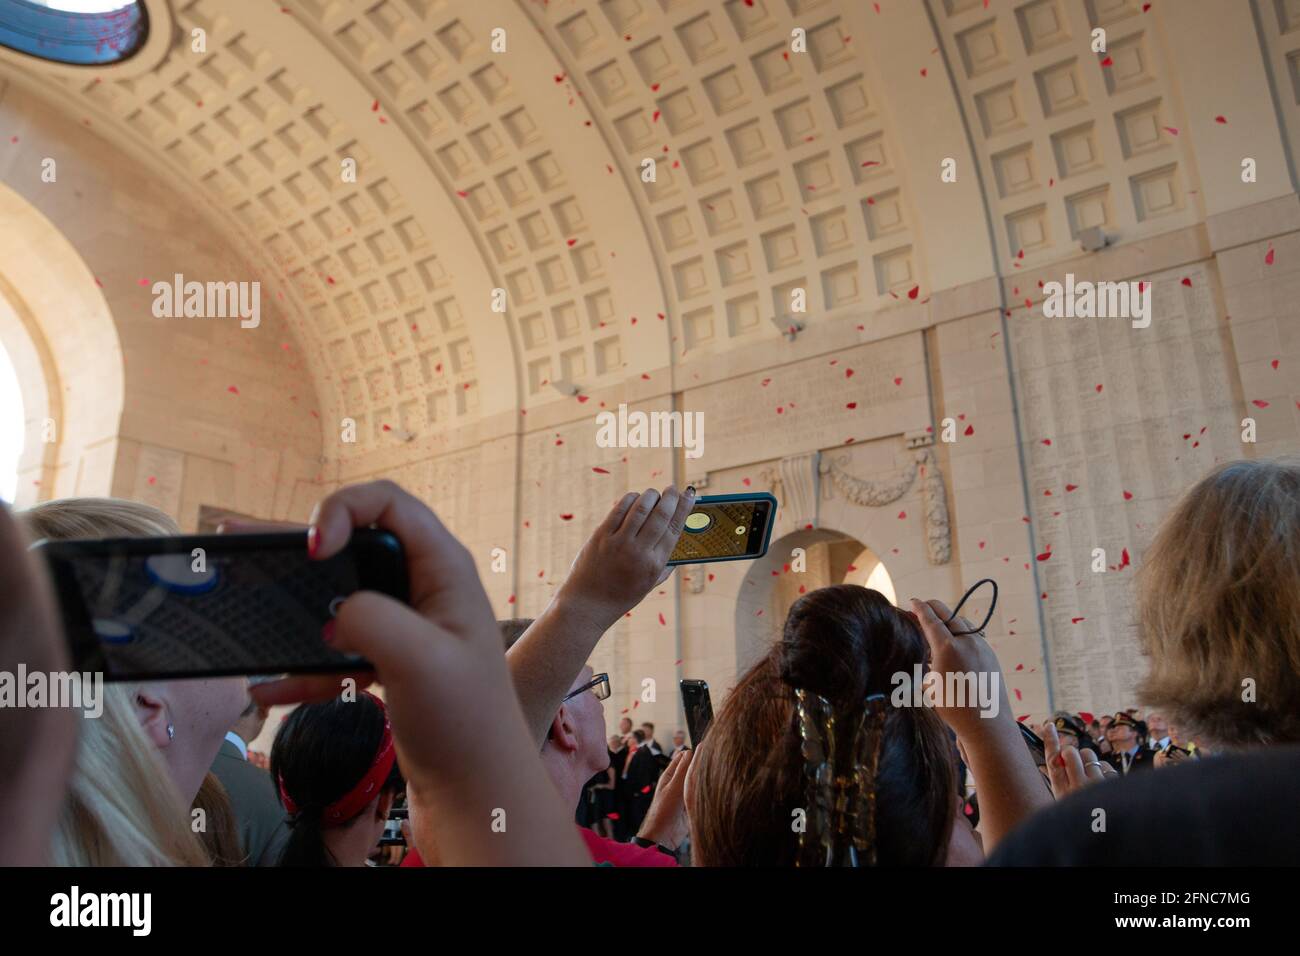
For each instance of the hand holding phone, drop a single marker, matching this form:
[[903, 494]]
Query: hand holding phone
[[440, 663], [626, 556]]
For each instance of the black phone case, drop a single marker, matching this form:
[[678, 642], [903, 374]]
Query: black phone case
[[697, 702], [376, 556]]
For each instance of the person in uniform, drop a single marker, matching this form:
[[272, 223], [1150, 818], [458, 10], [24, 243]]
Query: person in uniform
[[1074, 732], [1127, 738]]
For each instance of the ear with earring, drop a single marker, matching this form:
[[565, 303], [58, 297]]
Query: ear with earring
[[171, 731]]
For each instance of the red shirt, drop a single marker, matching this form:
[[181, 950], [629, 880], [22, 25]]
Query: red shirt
[[601, 850], [412, 858]]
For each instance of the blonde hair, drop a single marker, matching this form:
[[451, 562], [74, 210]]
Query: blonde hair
[[67, 518], [1219, 602], [121, 808]]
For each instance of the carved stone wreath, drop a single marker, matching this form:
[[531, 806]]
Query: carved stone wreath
[[876, 494], [796, 481]]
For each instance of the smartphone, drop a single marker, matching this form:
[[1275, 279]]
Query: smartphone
[[699, 709], [213, 605], [726, 528]]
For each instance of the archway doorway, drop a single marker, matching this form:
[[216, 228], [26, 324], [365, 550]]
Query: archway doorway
[[59, 335], [775, 582]]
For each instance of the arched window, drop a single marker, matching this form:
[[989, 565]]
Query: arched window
[[79, 32]]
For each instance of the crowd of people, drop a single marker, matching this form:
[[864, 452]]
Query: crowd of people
[[808, 762], [1125, 740], [615, 801]]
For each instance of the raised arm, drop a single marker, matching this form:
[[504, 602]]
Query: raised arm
[[1009, 785], [467, 757], [624, 560]]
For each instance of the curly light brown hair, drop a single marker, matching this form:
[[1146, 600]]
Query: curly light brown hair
[[1219, 603]]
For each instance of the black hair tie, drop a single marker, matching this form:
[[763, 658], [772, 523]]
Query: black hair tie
[[969, 591]]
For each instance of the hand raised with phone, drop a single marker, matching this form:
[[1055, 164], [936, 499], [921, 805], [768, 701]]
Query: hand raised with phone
[[446, 684], [626, 557], [666, 822]]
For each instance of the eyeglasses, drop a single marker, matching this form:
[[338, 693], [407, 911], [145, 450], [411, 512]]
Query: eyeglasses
[[598, 685]]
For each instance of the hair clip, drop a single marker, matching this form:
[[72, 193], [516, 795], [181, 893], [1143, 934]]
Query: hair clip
[[817, 747], [862, 851], [840, 816]]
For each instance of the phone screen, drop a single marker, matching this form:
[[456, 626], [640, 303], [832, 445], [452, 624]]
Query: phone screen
[[699, 709], [726, 528], [213, 605]]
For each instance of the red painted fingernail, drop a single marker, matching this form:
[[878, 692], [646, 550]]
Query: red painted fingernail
[[1060, 760], [313, 541], [327, 632]]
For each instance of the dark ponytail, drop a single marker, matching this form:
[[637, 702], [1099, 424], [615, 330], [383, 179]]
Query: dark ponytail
[[321, 751], [846, 642], [843, 643]]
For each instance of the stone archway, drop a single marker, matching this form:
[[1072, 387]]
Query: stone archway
[[56, 326], [774, 583]]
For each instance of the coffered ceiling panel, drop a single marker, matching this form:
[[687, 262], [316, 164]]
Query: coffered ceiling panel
[[775, 167]]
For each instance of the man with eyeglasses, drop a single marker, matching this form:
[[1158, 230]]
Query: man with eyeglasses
[[574, 751], [624, 560]]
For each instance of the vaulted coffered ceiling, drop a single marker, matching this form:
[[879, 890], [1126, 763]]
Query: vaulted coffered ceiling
[[506, 145]]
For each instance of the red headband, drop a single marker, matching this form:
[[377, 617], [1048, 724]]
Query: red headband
[[354, 801]]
